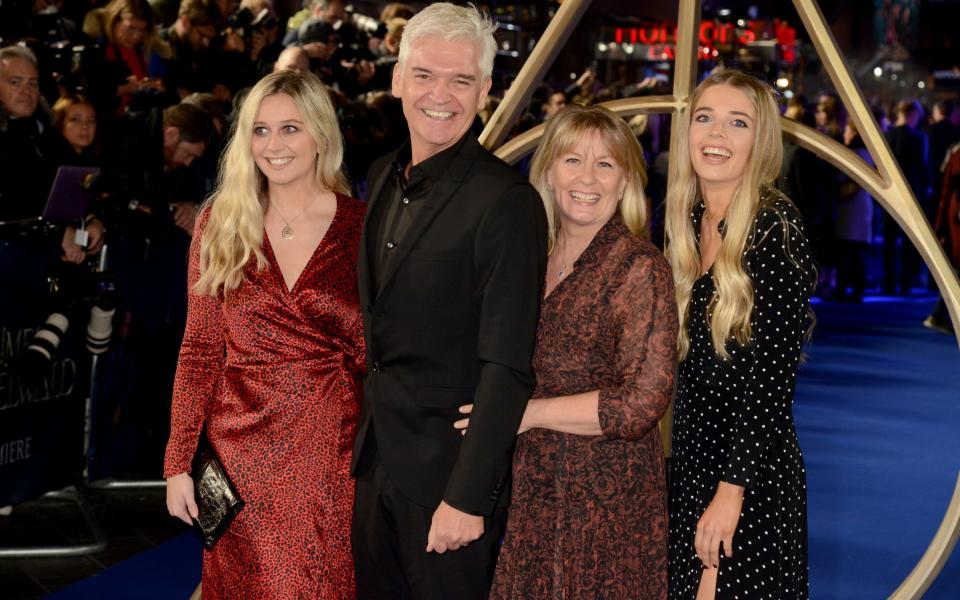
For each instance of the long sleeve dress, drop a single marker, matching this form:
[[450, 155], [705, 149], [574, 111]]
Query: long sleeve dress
[[589, 516], [275, 374], [733, 422]]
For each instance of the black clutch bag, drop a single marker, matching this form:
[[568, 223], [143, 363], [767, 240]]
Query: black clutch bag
[[218, 502]]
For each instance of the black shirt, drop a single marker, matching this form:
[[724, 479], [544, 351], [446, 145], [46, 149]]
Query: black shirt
[[403, 197]]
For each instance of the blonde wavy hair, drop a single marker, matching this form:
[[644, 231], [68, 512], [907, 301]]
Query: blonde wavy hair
[[234, 231], [572, 123], [731, 307]]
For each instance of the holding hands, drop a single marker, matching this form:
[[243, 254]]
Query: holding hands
[[526, 424]]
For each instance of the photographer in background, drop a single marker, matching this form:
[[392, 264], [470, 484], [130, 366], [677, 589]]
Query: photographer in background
[[257, 30], [75, 120], [24, 137], [125, 28], [143, 154], [339, 52], [150, 196], [190, 65]]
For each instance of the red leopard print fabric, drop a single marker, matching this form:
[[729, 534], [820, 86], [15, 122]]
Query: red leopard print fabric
[[277, 374], [589, 514]]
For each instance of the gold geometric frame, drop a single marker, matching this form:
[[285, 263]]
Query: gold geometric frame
[[885, 183]]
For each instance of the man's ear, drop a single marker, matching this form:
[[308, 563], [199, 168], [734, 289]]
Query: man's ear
[[395, 83], [484, 90]]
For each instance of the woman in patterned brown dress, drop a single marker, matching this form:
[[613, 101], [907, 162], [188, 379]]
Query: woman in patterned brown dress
[[589, 514], [272, 356]]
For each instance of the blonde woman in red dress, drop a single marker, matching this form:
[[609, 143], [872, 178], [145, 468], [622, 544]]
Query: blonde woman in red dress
[[271, 361]]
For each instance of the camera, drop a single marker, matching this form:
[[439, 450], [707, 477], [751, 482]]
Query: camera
[[88, 295], [245, 23]]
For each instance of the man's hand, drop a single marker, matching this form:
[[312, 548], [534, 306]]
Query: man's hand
[[452, 529], [185, 216], [72, 252], [95, 230], [318, 50], [365, 70], [180, 501]]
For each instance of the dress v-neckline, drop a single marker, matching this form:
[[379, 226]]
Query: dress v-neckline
[[313, 256]]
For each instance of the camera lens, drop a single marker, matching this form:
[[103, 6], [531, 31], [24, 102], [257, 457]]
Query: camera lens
[[99, 329], [46, 339]]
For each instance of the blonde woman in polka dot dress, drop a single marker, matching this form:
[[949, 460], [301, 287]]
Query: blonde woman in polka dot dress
[[744, 275]]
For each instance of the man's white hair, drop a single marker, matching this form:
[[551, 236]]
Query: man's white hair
[[452, 23], [20, 52]]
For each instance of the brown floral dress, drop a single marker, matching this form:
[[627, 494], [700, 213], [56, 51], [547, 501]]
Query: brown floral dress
[[589, 513]]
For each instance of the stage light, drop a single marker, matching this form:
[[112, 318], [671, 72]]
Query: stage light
[[877, 71], [783, 82], [601, 47], [921, 85]]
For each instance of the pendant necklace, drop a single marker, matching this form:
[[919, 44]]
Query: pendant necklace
[[287, 231], [563, 268]]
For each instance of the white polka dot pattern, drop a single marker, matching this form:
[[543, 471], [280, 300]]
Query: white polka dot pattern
[[733, 421]]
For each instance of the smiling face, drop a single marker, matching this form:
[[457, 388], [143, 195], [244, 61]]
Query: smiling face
[[440, 86], [721, 137], [587, 183], [79, 125], [281, 145]]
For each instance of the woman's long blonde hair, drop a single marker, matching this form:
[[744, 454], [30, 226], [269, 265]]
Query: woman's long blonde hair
[[234, 231], [731, 307], [563, 130]]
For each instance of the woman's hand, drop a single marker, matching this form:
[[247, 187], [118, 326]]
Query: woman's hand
[[180, 501], [718, 523], [526, 423]]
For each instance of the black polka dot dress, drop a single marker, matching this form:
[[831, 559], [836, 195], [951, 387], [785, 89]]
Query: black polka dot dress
[[733, 422]]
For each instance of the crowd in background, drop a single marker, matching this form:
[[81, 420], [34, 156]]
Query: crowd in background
[[146, 91]]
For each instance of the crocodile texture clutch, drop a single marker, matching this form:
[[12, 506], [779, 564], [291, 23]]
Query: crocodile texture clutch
[[217, 499]]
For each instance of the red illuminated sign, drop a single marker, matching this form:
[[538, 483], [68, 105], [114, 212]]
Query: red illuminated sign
[[658, 40]]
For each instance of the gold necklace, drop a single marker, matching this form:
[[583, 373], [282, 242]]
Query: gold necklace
[[287, 231]]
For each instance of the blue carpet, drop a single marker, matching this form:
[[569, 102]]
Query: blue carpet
[[171, 571], [879, 423]]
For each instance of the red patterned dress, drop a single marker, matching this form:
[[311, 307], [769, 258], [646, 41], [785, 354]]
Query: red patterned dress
[[589, 513], [276, 375]]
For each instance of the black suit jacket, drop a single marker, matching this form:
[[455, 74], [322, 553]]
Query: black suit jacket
[[451, 322]]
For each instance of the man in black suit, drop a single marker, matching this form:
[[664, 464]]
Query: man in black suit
[[452, 260]]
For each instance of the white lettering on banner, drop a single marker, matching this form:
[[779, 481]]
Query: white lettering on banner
[[57, 382], [15, 451]]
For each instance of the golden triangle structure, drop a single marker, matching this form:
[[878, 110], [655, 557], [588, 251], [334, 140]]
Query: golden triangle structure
[[885, 183]]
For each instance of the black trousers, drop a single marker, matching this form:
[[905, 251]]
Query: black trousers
[[389, 537]]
